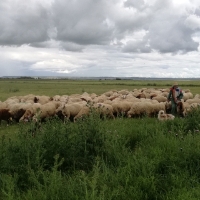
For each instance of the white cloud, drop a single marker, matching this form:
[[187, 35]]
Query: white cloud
[[193, 22], [100, 38]]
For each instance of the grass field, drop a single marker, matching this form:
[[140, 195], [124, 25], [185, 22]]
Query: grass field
[[99, 159], [18, 87]]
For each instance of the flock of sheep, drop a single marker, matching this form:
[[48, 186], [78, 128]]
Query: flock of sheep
[[114, 103]]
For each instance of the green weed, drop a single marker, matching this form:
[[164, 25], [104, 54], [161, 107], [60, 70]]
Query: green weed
[[100, 159]]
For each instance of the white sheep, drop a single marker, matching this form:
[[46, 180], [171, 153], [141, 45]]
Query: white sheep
[[12, 100], [3, 105], [139, 109], [43, 99], [56, 98], [85, 111], [27, 98], [190, 101], [30, 112], [197, 96], [160, 98], [104, 110], [46, 111], [190, 107], [69, 111], [187, 96], [121, 107], [17, 110]]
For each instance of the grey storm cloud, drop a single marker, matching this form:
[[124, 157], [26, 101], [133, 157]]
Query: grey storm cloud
[[166, 31], [21, 23], [76, 24], [140, 5], [137, 47], [82, 22], [100, 37]]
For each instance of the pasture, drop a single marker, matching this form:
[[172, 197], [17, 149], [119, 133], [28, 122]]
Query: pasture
[[18, 87], [99, 159]]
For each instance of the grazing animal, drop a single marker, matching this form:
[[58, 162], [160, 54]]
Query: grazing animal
[[162, 116], [5, 115]]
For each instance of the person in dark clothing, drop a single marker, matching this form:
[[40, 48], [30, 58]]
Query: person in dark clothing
[[175, 96]]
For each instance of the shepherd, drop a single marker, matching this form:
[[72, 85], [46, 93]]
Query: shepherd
[[175, 96]]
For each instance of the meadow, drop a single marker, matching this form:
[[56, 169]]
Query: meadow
[[17, 87], [99, 159]]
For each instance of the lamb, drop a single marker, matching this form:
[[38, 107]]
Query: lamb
[[162, 116]]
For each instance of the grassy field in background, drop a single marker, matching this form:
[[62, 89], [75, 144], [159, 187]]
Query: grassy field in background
[[20, 87]]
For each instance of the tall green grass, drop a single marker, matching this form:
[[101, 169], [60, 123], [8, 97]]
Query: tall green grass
[[103, 159]]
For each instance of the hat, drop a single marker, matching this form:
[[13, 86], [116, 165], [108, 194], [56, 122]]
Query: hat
[[175, 84]]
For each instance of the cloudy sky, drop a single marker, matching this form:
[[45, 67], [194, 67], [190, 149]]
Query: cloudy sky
[[119, 38]]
